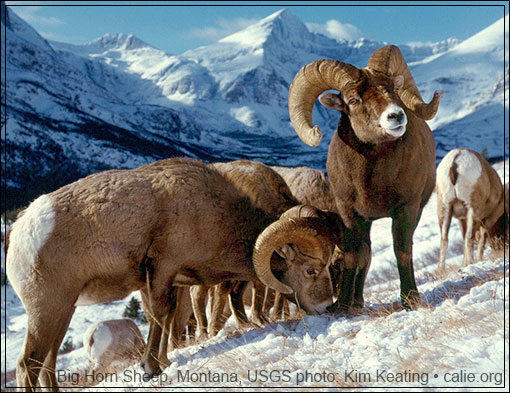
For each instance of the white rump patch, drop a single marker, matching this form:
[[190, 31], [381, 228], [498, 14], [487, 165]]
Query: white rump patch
[[394, 126], [29, 233], [102, 337], [468, 170], [444, 186]]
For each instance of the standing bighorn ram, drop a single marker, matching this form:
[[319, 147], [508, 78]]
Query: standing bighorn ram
[[381, 159], [172, 223], [469, 189]]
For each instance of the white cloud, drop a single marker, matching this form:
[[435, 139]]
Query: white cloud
[[223, 28], [31, 14], [336, 30]]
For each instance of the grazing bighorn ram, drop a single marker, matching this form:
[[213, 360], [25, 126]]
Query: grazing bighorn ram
[[172, 223], [267, 191], [381, 160], [312, 187], [469, 189]]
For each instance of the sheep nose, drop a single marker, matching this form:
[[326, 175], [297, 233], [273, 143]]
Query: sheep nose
[[398, 115]]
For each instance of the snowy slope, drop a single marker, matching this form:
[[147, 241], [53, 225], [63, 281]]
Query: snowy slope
[[460, 330], [472, 75]]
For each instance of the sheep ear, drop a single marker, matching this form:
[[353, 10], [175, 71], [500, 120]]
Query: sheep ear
[[278, 264], [287, 252], [332, 101], [398, 82]]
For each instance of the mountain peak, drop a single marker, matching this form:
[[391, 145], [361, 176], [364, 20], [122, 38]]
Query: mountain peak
[[21, 28], [118, 41], [282, 24]]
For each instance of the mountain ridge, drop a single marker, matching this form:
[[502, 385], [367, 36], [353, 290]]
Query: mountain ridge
[[118, 102]]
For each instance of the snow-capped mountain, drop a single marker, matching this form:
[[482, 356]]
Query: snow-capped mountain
[[119, 102]]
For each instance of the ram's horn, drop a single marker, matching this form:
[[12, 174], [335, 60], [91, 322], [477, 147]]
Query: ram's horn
[[301, 232], [390, 61], [312, 80]]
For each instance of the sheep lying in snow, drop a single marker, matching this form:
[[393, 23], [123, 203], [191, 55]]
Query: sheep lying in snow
[[173, 223], [469, 189], [113, 342]]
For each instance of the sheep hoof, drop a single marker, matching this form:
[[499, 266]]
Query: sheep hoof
[[338, 310], [259, 320], [164, 362], [356, 309], [411, 300], [150, 371]]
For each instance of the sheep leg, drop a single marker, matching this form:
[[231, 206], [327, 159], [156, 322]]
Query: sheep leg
[[281, 307], [336, 270], [403, 226], [481, 240], [218, 300], [468, 238], [47, 377], [237, 304], [277, 305], [162, 302], [363, 267], [355, 258], [182, 315], [346, 297], [43, 331], [269, 300], [445, 220], [463, 227], [163, 344], [257, 303], [198, 299]]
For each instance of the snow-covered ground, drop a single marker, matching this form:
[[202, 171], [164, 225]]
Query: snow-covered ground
[[457, 340]]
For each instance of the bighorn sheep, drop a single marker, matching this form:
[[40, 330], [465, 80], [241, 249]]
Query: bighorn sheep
[[312, 187], [469, 189], [381, 159], [113, 341], [268, 192], [309, 186], [172, 223]]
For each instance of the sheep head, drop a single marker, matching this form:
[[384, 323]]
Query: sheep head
[[304, 239], [373, 98]]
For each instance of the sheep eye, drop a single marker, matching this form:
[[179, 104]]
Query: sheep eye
[[311, 272], [353, 101]]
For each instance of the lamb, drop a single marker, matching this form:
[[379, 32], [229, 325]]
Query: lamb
[[113, 342], [381, 159], [469, 189], [176, 222]]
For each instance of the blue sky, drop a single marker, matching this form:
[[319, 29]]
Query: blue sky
[[176, 29]]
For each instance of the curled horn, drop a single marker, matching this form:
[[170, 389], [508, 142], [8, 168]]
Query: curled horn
[[312, 80], [300, 232], [389, 60]]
